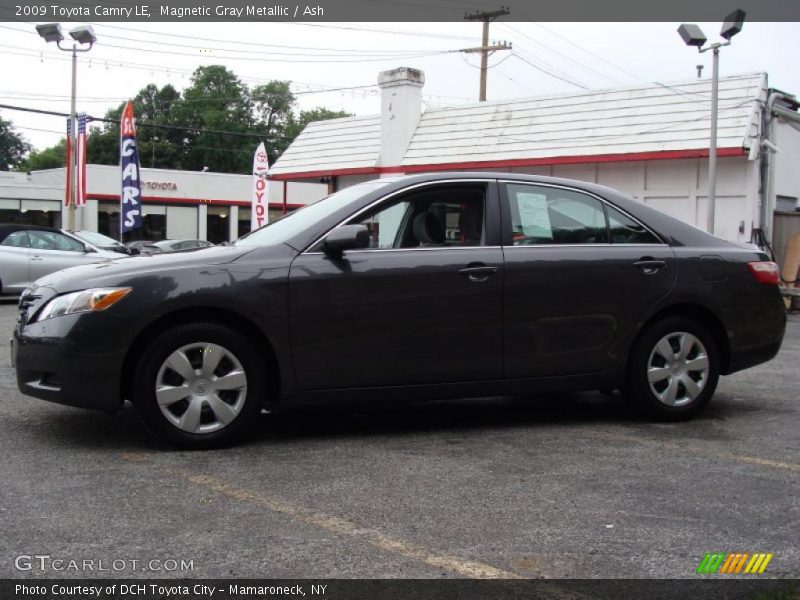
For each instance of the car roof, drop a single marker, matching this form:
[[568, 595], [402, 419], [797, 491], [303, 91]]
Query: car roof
[[671, 230]]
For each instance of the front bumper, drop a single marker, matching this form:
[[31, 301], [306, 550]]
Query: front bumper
[[72, 359]]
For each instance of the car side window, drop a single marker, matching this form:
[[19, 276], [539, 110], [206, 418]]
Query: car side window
[[545, 215], [625, 230], [51, 240], [441, 216], [17, 239]]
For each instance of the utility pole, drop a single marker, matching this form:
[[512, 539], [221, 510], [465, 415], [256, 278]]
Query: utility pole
[[485, 49]]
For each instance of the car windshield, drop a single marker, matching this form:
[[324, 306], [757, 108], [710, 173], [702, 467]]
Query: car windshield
[[285, 228], [98, 239]]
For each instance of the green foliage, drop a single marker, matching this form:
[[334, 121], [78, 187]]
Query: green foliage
[[13, 147], [296, 125], [214, 100], [49, 158]]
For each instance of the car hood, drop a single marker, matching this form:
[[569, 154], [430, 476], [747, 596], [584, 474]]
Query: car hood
[[102, 273]]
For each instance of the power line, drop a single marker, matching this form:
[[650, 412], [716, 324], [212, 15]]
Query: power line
[[61, 97], [546, 72], [561, 55], [551, 69], [589, 52], [387, 31], [272, 57], [149, 124], [110, 62]]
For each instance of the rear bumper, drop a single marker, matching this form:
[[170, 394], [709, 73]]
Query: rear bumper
[[58, 360], [759, 335]]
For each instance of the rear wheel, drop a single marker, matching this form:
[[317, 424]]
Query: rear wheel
[[199, 385], [674, 369]]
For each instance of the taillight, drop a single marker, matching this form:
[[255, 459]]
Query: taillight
[[765, 272]]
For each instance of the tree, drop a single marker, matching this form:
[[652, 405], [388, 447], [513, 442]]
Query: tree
[[13, 146], [162, 148], [273, 103], [49, 158], [216, 99], [296, 125]]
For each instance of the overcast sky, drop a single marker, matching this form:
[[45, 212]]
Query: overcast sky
[[548, 58]]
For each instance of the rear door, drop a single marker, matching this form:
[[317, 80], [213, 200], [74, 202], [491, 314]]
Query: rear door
[[579, 275], [422, 304]]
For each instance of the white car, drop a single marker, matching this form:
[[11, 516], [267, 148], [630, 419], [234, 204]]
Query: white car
[[28, 252]]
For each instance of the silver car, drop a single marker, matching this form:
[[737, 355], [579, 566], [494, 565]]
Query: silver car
[[28, 252], [182, 245]]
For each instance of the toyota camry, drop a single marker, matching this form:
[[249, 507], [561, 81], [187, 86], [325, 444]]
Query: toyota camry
[[414, 287]]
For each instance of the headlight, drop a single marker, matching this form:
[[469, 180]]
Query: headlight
[[84, 301]]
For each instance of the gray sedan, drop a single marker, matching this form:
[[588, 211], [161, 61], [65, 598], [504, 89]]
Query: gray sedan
[[28, 252]]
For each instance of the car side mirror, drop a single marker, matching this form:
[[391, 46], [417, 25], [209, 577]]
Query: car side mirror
[[346, 237], [134, 251], [88, 249]]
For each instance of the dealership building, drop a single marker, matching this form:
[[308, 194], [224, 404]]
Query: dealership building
[[650, 141], [176, 204]]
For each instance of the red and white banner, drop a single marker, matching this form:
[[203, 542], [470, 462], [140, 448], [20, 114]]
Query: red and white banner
[[80, 150], [260, 200], [68, 188]]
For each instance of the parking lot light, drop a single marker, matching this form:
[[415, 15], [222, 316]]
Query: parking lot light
[[84, 34], [84, 38], [51, 32], [692, 35]]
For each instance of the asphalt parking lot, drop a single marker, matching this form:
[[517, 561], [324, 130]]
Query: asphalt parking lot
[[558, 486]]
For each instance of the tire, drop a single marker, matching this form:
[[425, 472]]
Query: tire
[[192, 409], [673, 369]]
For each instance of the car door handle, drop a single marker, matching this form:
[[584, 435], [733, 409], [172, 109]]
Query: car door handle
[[478, 272], [650, 265], [36, 258]]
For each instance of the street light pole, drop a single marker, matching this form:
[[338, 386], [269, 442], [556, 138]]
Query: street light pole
[[73, 116], [693, 36], [83, 35], [712, 150]]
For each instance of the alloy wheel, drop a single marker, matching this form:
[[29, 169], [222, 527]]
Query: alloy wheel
[[678, 369], [201, 387]]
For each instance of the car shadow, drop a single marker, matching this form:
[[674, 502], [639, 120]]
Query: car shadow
[[125, 432]]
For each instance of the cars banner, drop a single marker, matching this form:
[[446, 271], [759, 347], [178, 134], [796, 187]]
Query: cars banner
[[130, 213]]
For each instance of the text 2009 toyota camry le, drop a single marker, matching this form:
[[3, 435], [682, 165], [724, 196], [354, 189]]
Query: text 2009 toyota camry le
[[451, 284]]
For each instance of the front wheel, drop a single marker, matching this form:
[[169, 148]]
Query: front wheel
[[199, 385], [674, 369]]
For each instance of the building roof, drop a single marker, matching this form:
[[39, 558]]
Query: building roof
[[578, 127], [336, 144]]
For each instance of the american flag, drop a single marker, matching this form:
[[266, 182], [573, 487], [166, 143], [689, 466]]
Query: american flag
[[67, 197], [80, 191]]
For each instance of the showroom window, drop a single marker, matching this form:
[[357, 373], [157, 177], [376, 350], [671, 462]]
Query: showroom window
[[154, 222]]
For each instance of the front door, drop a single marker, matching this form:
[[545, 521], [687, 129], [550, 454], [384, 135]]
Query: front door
[[52, 251], [422, 304]]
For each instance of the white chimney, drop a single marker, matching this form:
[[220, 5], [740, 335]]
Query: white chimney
[[401, 108]]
